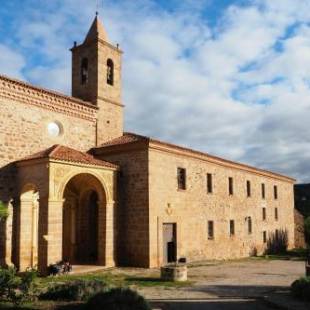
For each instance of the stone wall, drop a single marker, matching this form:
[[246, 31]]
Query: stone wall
[[133, 215], [191, 209], [23, 131]]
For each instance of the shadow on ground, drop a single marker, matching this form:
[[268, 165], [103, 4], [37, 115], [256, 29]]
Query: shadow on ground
[[240, 291], [212, 304]]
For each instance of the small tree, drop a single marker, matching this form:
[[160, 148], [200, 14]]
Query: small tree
[[277, 243], [307, 231], [4, 213]]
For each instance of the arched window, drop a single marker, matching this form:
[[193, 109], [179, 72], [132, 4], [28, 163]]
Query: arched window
[[84, 71], [110, 72]]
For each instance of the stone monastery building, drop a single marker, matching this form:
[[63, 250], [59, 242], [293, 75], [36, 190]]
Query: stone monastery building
[[77, 187]]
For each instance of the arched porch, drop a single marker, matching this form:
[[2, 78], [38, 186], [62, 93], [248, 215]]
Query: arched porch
[[66, 211], [84, 221]]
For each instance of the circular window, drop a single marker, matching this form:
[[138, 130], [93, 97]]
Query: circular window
[[54, 129]]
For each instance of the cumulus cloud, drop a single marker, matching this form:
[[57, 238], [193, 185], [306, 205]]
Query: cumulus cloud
[[11, 62], [238, 87]]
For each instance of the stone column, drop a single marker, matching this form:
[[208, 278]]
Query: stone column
[[34, 232], [110, 248], [50, 233], [55, 233], [25, 234], [9, 236], [106, 255]]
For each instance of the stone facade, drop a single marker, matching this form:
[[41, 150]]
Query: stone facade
[[79, 188], [157, 200]]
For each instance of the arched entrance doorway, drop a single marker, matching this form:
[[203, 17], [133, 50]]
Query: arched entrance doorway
[[83, 212]]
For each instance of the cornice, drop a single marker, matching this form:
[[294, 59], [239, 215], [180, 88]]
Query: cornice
[[217, 161], [96, 41], [25, 93]]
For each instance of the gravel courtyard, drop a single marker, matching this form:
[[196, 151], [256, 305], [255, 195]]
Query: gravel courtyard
[[225, 285]]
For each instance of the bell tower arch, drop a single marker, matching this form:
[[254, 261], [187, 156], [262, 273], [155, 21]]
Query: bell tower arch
[[96, 78]]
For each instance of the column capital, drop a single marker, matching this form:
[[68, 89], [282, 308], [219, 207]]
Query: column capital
[[111, 203]]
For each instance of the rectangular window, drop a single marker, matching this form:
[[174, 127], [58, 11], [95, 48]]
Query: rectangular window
[[275, 192], [231, 186], [248, 188], [232, 227], [264, 214], [265, 236], [210, 230], [249, 225], [277, 234], [209, 183], [263, 191], [181, 178], [276, 214]]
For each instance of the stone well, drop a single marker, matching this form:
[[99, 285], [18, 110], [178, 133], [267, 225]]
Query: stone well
[[175, 273]]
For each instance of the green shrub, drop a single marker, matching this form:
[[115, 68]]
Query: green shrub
[[17, 289], [4, 213], [301, 288], [277, 243], [118, 299], [79, 290]]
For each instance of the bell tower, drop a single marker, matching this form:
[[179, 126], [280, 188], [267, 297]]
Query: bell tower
[[96, 78]]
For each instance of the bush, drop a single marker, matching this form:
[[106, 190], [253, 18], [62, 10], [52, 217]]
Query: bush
[[79, 290], [277, 243], [17, 289], [4, 213], [301, 288], [118, 299]]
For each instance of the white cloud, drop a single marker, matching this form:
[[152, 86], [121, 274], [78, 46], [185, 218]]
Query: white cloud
[[11, 62], [239, 89]]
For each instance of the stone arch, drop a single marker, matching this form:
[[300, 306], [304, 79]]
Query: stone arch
[[84, 219], [101, 185]]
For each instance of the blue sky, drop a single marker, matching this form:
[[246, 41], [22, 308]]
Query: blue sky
[[231, 78]]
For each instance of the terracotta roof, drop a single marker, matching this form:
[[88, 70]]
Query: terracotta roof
[[128, 138], [63, 153], [48, 91]]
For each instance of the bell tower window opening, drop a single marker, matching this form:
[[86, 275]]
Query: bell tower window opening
[[84, 71], [110, 72]]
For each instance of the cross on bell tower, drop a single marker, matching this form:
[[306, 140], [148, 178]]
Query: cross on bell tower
[[96, 77]]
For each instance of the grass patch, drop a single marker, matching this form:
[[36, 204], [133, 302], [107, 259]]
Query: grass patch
[[114, 280], [154, 282]]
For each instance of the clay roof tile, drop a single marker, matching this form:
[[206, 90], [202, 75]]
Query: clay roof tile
[[64, 153]]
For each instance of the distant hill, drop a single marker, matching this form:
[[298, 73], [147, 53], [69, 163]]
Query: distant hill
[[302, 198]]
